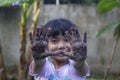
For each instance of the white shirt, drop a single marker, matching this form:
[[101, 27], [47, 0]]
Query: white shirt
[[66, 72]]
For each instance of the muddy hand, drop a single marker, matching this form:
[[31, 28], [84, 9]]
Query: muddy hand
[[79, 46], [38, 44]]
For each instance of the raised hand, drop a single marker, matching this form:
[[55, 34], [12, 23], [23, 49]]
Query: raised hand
[[79, 45], [39, 44]]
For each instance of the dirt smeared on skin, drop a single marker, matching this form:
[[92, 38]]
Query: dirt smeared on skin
[[39, 45], [79, 45]]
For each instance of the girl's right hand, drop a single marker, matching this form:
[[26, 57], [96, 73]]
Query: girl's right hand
[[39, 44]]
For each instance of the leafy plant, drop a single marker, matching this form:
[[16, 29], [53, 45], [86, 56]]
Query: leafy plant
[[107, 5], [26, 8], [10, 2], [103, 7]]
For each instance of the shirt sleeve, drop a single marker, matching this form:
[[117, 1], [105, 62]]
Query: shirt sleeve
[[44, 70], [31, 70], [88, 71], [74, 71]]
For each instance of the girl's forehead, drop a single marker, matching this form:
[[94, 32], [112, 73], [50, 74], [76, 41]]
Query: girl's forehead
[[57, 36]]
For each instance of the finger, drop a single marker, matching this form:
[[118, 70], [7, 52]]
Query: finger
[[44, 55], [41, 36], [37, 34], [72, 30], [48, 33], [70, 56], [54, 53], [67, 34], [40, 28], [31, 38], [40, 32], [75, 34], [67, 54], [85, 38]]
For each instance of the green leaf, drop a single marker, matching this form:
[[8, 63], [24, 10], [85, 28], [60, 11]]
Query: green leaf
[[27, 1], [107, 5], [8, 2], [29, 10], [108, 27]]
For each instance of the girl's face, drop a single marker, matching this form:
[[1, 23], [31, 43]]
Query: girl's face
[[60, 42]]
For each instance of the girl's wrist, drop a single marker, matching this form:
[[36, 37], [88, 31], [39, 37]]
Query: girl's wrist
[[79, 64], [39, 61]]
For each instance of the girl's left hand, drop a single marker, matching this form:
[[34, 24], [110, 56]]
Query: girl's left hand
[[79, 45]]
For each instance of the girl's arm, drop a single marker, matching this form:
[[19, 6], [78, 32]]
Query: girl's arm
[[79, 51], [81, 67], [39, 50], [37, 66]]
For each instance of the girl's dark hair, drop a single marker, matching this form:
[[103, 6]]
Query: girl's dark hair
[[58, 26]]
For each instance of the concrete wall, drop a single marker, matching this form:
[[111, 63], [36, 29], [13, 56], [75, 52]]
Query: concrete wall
[[86, 17], [9, 34]]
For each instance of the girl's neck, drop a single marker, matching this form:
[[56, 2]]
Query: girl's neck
[[58, 64]]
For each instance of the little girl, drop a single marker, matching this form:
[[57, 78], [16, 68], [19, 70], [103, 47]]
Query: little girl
[[59, 53]]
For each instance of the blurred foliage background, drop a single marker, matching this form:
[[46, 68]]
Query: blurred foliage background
[[29, 7]]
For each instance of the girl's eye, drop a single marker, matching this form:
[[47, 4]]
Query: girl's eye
[[54, 40]]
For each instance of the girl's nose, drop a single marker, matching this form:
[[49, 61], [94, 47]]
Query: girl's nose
[[61, 45]]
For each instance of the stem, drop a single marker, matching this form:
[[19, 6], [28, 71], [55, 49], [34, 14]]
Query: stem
[[22, 63], [35, 14], [110, 59]]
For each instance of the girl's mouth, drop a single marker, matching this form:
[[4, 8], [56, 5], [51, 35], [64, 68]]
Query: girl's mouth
[[60, 54]]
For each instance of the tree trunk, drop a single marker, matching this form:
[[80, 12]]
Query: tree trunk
[[22, 63], [110, 59], [2, 68], [35, 14]]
